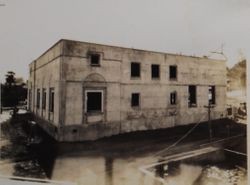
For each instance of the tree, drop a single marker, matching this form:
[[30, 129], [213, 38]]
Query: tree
[[10, 78], [13, 92]]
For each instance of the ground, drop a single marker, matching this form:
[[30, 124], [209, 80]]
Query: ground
[[17, 158], [113, 160]]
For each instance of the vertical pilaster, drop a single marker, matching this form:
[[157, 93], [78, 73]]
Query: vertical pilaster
[[62, 89]]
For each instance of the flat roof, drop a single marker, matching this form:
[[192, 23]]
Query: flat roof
[[127, 48]]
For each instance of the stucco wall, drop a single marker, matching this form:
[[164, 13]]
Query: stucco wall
[[74, 104], [45, 73], [72, 75]]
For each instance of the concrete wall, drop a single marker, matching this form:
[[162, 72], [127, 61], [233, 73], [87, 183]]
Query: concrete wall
[[73, 76], [155, 110], [45, 74]]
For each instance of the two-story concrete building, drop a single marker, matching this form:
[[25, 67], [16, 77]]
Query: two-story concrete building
[[84, 91]]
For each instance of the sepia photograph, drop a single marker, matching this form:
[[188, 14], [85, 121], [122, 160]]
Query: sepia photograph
[[129, 92]]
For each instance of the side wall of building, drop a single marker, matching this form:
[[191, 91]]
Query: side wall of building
[[45, 78], [113, 78], [155, 110]]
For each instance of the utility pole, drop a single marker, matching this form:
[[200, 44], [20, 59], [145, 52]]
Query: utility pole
[[209, 120]]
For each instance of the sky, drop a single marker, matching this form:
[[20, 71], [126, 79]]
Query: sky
[[190, 27]]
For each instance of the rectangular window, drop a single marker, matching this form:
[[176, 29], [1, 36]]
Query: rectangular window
[[44, 99], [172, 72], [135, 100], [173, 97], [95, 59], [155, 71], [51, 99], [192, 96], [135, 69], [38, 98], [94, 101], [211, 95]]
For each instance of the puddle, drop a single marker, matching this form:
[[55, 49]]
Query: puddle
[[213, 168]]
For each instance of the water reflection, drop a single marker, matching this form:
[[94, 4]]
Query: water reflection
[[109, 170], [116, 161], [97, 170], [91, 168], [214, 168]]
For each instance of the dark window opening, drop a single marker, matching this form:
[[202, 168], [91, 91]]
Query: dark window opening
[[37, 98], [44, 99], [173, 97], [30, 98], [135, 100], [155, 71], [51, 99], [95, 59], [173, 72], [74, 131], [211, 94], [94, 102], [192, 96], [135, 69], [230, 111]]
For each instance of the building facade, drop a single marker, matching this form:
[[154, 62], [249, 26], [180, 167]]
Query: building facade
[[84, 91]]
